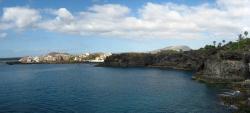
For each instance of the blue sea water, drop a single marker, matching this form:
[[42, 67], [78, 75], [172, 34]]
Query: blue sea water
[[83, 88]]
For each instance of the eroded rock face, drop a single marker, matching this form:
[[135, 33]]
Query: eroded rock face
[[223, 70], [210, 65], [185, 61], [128, 60]]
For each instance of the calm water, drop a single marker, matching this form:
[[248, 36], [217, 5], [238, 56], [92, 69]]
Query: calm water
[[82, 88]]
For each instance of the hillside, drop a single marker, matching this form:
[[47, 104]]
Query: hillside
[[174, 48]]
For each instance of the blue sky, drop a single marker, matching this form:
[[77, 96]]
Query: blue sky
[[35, 27]]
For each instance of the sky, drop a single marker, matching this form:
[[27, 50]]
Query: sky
[[36, 27]]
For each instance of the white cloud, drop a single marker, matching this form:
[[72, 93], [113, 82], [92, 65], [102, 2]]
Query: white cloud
[[108, 10], [221, 19], [96, 20], [2, 35], [4, 26], [64, 14], [20, 17], [63, 22]]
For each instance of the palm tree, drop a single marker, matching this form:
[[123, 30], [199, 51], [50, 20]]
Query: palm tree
[[219, 44], [240, 37], [223, 41], [214, 42], [246, 33]]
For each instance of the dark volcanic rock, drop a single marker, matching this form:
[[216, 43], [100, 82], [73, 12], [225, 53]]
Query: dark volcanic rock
[[211, 65], [128, 60], [224, 68], [240, 98], [189, 60]]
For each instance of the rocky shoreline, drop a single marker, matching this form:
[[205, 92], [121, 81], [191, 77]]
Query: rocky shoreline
[[223, 64], [238, 98]]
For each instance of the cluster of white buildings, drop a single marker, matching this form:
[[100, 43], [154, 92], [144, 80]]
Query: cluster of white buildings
[[66, 58], [30, 59]]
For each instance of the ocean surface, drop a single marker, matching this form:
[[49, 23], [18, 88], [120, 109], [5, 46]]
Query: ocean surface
[[83, 88]]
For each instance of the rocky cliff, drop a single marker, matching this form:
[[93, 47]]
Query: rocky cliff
[[224, 67], [173, 60], [187, 60], [128, 60], [227, 63]]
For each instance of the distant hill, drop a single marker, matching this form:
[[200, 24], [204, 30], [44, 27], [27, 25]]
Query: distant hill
[[57, 53], [174, 48]]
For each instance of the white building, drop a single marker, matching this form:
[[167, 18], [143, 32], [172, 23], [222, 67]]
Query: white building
[[36, 59]]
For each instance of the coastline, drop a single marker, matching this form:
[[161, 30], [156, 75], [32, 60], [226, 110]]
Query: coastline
[[228, 100], [240, 102], [228, 64]]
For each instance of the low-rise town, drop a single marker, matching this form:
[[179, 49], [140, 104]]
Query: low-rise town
[[55, 57]]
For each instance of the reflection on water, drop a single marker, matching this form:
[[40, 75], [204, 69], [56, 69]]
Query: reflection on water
[[82, 88]]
